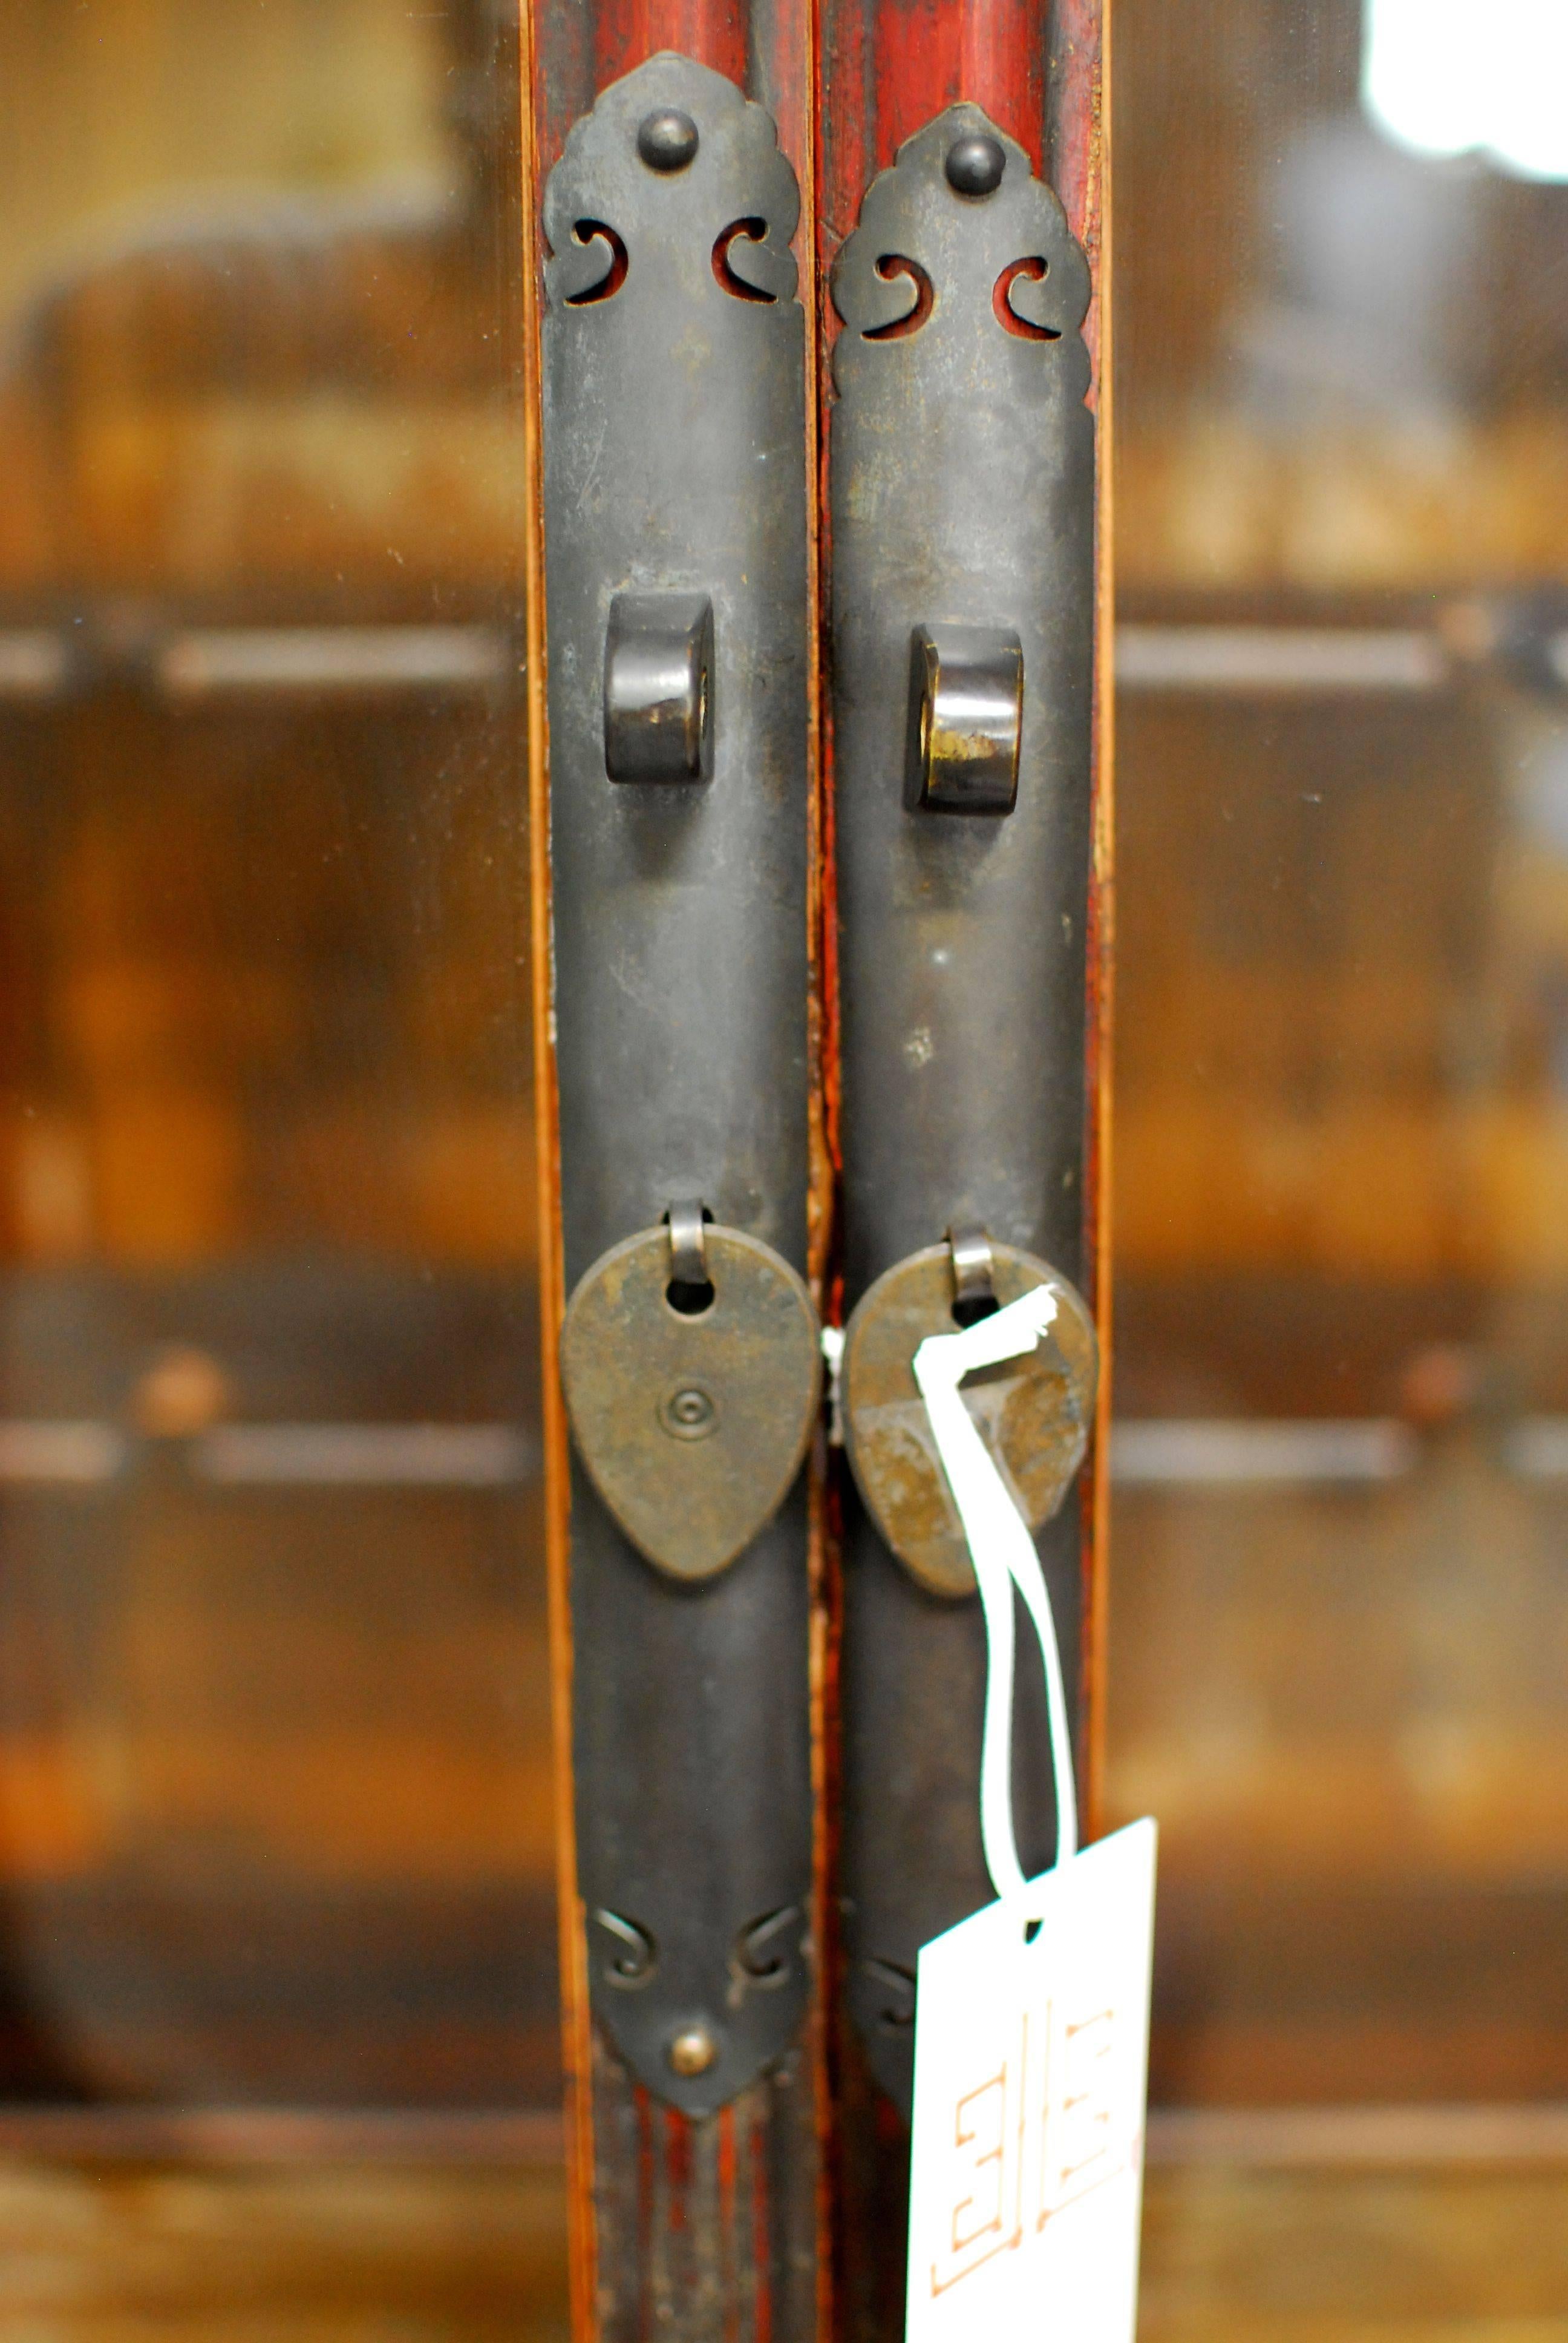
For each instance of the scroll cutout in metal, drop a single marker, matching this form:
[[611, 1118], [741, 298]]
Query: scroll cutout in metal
[[675, 514], [962, 454]]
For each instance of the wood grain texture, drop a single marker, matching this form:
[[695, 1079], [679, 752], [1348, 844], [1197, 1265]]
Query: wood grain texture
[[435, 2252], [1077, 57], [1320, 2256], [429, 2253], [576, 2037]]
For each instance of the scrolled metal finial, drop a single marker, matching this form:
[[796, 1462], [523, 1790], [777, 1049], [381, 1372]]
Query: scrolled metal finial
[[671, 162], [963, 255]]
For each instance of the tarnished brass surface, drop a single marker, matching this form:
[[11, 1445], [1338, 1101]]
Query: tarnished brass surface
[[1034, 1414], [692, 1427]]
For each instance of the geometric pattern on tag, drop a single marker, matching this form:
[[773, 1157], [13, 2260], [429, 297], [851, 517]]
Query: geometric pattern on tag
[[1034, 1413], [1056, 2118]]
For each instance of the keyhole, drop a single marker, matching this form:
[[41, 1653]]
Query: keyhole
[[973, 1308]]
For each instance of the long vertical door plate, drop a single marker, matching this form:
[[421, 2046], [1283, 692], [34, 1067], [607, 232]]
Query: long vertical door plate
[[964, 594], [675, 506]]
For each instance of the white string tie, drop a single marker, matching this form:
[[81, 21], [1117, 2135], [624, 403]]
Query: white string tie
[[1003, 1550]]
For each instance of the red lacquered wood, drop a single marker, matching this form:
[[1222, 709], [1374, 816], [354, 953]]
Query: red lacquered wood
[[1078, 97], [575, 2038], [764, 46], [1001, 64], [1075, 90], [628, 31], [891, 64], [931, 52], [916, 47]]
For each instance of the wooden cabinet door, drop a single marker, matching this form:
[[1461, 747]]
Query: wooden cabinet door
[[809, 1710]]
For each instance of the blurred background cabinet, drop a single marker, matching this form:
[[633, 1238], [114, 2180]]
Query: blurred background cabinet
[[1342, 1228], [274, 1821], [274, 1796]]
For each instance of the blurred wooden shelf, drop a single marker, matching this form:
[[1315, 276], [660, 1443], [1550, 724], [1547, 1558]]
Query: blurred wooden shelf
[[320, 2253], [1241, 2254], [115, 2225]]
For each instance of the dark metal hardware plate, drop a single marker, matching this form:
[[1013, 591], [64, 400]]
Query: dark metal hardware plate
[[691, 1416], [1034, 1415], [963, 496], [675, 464]]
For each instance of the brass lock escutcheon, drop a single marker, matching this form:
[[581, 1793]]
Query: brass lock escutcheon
[[1034, 1414], [692, 1366]]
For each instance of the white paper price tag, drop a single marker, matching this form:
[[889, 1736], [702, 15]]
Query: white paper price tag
[[1031, 2071], [1031, 2018]]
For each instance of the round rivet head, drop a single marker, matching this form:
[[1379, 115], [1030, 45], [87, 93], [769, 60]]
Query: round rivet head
[[692, 2052], [667, 140], [689, 1414], [975, 163]]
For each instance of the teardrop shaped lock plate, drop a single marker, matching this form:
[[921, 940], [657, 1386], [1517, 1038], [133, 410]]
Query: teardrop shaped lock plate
[[692, 1424], [1034, 1414]]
